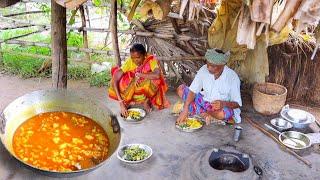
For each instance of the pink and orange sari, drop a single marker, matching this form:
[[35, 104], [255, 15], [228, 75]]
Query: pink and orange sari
[[134, 90]]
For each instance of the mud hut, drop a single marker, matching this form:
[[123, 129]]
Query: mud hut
[[267, 39]]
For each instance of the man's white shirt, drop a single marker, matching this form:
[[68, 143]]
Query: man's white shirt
[[225, 88]]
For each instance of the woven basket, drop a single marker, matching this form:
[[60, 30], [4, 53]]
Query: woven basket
[[268, 98]]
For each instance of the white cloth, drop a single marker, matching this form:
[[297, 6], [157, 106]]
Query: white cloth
[[225, 88]]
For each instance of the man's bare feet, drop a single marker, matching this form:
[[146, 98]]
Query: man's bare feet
[[210, 119], [207, 117]]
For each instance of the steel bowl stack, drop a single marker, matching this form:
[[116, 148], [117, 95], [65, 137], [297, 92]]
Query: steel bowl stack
[[300, 119]]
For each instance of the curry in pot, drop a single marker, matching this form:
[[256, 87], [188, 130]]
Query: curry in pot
[[60, 141]]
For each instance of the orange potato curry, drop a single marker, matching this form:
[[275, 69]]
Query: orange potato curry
[[60, 141]]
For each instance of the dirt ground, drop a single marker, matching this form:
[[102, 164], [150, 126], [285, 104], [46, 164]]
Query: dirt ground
[[177, 155]]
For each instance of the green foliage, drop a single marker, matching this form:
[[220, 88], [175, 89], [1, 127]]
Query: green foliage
[[77, 72], [74, 39], [72, 19], [25, 67], [15, 32], [46, 8], [100, 79], [97, 2]]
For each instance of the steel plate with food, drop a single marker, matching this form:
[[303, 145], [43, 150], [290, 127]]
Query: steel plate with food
[[134, 153], [135, 115], [59, 133], [297, 140], [191, 125]]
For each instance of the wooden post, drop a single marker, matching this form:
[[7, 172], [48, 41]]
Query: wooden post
[[114, 34], [59, 45], [84, 33]]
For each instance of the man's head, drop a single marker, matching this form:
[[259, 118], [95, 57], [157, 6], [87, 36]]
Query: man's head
[[138, 53], [216, 60]]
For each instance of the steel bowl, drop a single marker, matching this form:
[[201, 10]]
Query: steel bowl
[[43, 101], [120, 153], [281, 124], [297, 114], [297, 136], [297, 123]]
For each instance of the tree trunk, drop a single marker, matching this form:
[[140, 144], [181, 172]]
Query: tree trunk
[[84, 33], [114, 34], [59, 45], [296, 72]]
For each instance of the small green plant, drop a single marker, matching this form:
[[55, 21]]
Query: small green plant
[[74, 39], [77, 72], [100, 79]]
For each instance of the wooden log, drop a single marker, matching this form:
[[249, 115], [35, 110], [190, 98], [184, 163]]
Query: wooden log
[[291, 7], [59, 46], [176, 72], [175, 25], [159, 9], [188, 44], [181, 58], [6, 3], [84, 33], [70, 4], [114, 34]]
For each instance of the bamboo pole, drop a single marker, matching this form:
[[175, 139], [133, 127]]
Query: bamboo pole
[[111, 53], [46, 45], [88, 14], [132, 32], [181, 58], [23, 13], [114, 34], [16, 27], [84, 33], [59, 46], [1, 55], [44, 56], [24, 35]]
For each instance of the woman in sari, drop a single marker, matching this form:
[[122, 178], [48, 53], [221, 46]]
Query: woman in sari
[[138, 81]]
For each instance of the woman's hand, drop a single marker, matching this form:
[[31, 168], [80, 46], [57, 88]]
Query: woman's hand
[[182, 117], [123, 108], [139, 75]]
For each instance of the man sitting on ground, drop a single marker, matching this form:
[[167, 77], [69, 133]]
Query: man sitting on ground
[[214, 93]]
